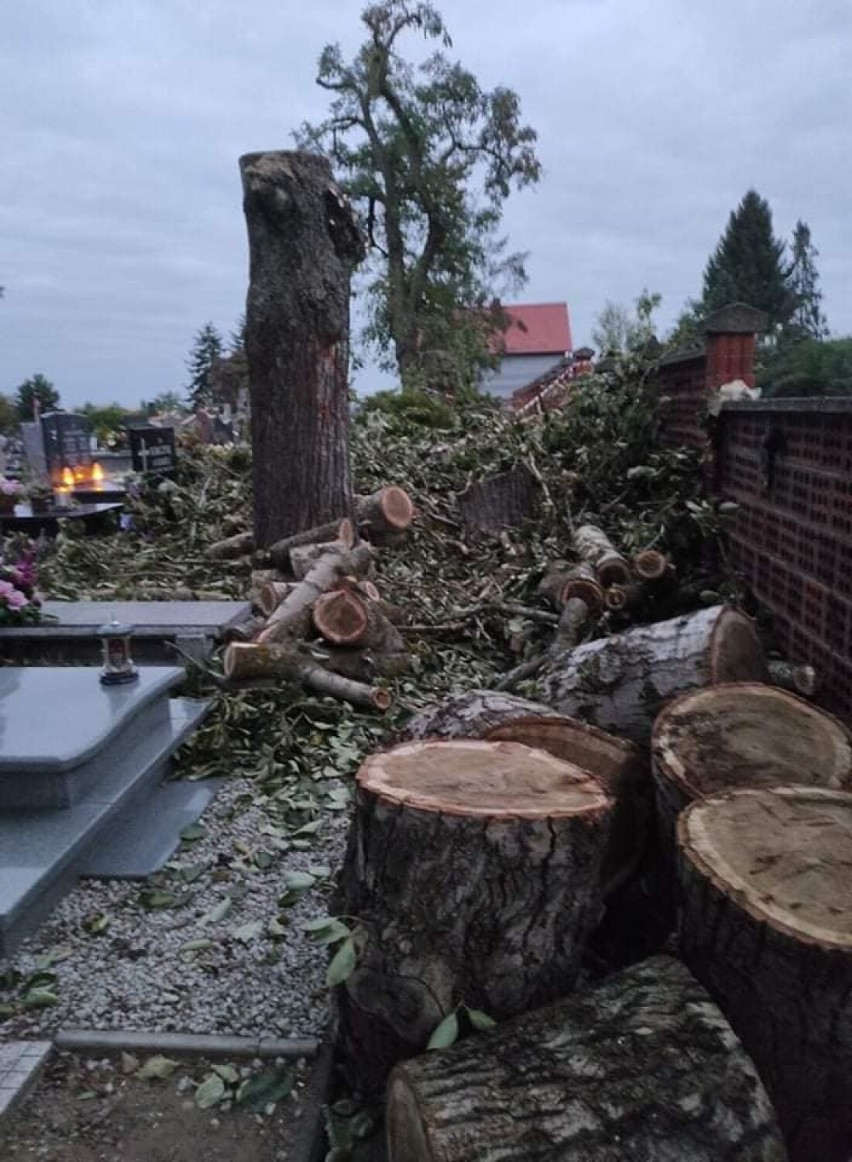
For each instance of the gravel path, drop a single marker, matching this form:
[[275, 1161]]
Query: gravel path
[[226, 957]]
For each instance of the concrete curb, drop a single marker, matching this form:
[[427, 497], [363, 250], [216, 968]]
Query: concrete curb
[[191, 1044], [309, 1140]]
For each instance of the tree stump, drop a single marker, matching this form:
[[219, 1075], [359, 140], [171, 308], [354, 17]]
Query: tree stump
[[621, 683], [303, 243], [471, 715], [644, 1067], [490, 506], [728, 737], [473, 871], [766, 877]]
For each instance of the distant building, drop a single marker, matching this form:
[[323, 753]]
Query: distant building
[[538, 338]]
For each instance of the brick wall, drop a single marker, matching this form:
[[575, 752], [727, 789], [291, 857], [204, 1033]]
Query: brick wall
[[788, 465]]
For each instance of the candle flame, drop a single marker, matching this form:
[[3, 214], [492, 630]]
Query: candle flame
[[67, 478], [97, 471]]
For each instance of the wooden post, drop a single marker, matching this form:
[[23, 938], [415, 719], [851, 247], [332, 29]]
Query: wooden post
[[303, 244], [473, 875]]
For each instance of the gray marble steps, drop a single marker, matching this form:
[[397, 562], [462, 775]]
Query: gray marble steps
[[195, 626], [81, 768]]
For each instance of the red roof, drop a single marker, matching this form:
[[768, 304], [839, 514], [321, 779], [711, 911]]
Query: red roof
[[537, 329]]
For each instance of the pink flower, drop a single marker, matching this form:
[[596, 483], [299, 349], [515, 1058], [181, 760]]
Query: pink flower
[[16, 599], [7, 589], [10, 487]]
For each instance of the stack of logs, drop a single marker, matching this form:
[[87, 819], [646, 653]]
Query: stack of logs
[[497, 835], [322, 621]]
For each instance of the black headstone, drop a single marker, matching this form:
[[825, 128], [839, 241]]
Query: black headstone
[[152, 450], [67, 442]]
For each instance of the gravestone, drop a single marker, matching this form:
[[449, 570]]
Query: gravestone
[[152, 450], [67, 442], [33, 440]]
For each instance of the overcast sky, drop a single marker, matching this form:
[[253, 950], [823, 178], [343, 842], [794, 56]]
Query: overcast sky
[[122, 121]]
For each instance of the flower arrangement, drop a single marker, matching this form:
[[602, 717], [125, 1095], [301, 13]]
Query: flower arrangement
[[20, 600], [40, 496], [10, 493]]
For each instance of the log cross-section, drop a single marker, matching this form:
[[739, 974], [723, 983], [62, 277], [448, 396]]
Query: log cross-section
[[473, 872]]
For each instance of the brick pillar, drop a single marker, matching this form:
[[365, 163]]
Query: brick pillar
[[731, 344]]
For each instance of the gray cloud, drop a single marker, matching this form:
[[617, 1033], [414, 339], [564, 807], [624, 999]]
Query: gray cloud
[[122, 123]]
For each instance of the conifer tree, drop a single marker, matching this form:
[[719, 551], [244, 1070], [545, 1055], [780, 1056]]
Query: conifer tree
[[808, 320], [207, 347], [748, 264]]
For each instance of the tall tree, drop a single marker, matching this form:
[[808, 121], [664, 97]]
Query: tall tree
[[35, 396], [429, 157], [617, 331], [207, 347], [748, 264], [807, 319]]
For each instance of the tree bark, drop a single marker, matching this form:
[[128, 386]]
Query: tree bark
[[766, 878], [728, 737], [560, 585], [471, 715], [252, 662], [304, 557], [235, 546], [303, 243], [595, 547], [621, 683], [801, 679], [473, 870], [340, 530], [326, 574], [499, 502], [643, 1067]]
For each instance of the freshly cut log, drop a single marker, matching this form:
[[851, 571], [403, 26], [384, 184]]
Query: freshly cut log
[[618, 765], [621, 683], [471, 715], [595, 547], [619, 597], [360, 664], [236, 546], [801, 679], [560, 584], [270, 594], [650, 565], [339, 530], [385, 513], [744, 734], [474, 869], [643, 1067], [326, 574], [490, 506], [572, 621], [252, 662], [766, 880], [304, 557], [340, 616], [244, 631]]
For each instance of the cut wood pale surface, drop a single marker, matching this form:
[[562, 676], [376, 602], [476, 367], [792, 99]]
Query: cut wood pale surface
[[385, 513], [650, 565], [766, 878], [621, 683], [744, 734], [326, 574], [800, 678], [595, 547], [303, 557], [562, 582], [270, 594], [644, 1068], [340, 616], [473, 868]]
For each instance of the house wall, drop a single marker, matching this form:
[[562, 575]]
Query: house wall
[[516, 371]]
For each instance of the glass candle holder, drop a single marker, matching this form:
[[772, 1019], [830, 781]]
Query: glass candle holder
[[118, 664]]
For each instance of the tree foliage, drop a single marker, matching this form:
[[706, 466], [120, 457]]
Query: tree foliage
[[749, 265], [8, 415], [618, 331], [36, 390], [807, 318], [808, 367], [207, 347], [429, 157]]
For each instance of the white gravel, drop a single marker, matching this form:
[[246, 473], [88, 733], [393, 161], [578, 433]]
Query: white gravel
[[251, 981]]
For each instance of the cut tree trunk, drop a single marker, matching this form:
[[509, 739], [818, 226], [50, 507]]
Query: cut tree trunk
[[303, 244], [270, 594], [360, 664], [741, 735], [766, 879], [253, 662], [572, 621], [621, 597], [326, 574], [236, 546], [801, 679], [559, 585], [384, 514], [340, 530], [340, 616], [471, 715], [650, 565], [643, 1067], [304, 557], [595, 547], [621, 683], [473, 869], [499, 502]]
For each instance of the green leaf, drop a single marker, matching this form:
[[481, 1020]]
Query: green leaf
[[217, 914], [266, 1089], [96, 925], [320, 870], [194, 872], [480, 1020], [248, 932], [263, 859], [210, 1092], [156, 1068], [310, 828], [152, 899], [193, 832], [298, 881], [228, 1073], [342, 964], [446, 1033], [337, 931], [39, 998], [197, 945]]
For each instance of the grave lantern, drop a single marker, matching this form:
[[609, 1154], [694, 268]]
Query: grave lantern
[[118, 664]]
